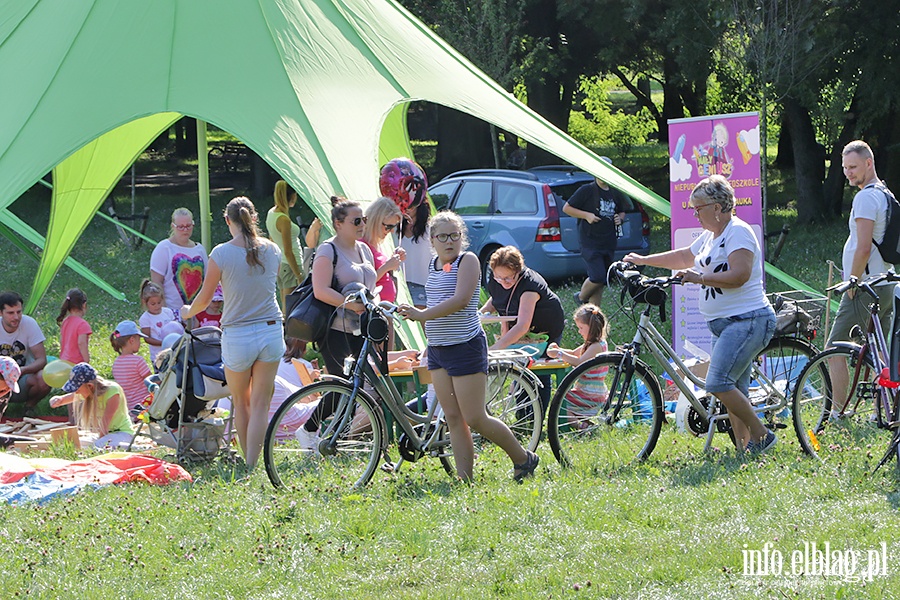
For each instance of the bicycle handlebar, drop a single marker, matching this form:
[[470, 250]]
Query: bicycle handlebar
[[866, 284], [365, 297], [628, 271]]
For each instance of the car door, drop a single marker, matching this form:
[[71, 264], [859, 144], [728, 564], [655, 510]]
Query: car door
[[568, 226], [515, 221], [473, 204]]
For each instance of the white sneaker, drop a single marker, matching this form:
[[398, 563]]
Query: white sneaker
[[309, 440]]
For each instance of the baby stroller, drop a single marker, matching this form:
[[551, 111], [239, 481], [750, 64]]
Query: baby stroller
[[182, 414]]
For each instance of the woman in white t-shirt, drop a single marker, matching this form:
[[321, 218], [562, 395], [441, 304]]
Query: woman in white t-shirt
[[725, 260], [178, 263]]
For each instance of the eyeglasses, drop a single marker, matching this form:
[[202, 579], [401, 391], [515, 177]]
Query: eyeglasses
[[443, 237], [359, 220], [389, 226], [697, 208], [184, 227], [507, 279]]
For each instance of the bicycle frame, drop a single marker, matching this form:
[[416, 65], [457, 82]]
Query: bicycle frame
[[647, 335]]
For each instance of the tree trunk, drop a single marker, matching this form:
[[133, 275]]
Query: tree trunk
[[835, 182], [887, 155], [809, 159], [552, 99], [672, 104], [785, 157], [464, 142]]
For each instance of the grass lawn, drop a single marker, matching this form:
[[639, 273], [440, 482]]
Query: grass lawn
[[677, 526]]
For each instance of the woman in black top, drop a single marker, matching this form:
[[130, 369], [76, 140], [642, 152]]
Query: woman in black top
[[518, 291]]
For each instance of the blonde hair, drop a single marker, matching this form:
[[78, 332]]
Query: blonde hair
[[859, 147], [283, 194], [86, 414], [448, 216], [179, 212], [376, 213]]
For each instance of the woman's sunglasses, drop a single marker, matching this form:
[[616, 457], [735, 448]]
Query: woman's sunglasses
[[443, 237], [358, 220], [389, 227]]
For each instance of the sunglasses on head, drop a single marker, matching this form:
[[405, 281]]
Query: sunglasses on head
[[443, 237]]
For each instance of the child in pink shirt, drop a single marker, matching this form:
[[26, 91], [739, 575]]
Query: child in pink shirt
[[130, 369], [74, 331]]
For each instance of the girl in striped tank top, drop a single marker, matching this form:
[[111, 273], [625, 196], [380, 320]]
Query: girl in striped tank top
[[589, 394], [457, 348]]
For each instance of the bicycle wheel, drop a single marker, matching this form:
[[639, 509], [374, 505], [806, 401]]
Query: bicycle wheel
[[603, 416], [512, 397], [782, 361], [351, 450], [843, 439]]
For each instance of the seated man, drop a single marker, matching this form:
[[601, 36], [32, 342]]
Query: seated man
[[22, 340]]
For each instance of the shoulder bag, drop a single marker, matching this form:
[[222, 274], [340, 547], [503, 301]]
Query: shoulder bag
[[308, 317]]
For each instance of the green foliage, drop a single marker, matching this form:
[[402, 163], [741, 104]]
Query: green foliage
[[600, 125]]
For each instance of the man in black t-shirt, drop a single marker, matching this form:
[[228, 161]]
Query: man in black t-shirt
[[599, 209]]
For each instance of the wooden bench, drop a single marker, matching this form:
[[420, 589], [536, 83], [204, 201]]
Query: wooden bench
[[233, 154]]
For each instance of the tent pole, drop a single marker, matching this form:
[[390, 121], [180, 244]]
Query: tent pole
[[203, 184]]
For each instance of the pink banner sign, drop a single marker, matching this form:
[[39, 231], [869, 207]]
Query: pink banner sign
[[726, 145]]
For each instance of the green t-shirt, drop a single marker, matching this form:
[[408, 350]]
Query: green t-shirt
[[120, 420]]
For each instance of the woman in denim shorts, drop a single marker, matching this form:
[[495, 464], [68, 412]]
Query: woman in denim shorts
[[725, 260], [252, 335]]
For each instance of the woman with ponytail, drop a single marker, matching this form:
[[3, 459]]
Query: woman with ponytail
[[252, 339]]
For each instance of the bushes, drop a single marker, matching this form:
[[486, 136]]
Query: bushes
[[599, 125]]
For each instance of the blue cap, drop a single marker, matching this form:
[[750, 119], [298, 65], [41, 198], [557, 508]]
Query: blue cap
[[127, 328], [81, 374]]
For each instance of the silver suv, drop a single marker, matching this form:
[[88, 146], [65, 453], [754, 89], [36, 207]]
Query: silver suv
[[524, 209]]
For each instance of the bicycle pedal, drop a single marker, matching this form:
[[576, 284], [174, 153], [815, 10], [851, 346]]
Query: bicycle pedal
[[388, 467]]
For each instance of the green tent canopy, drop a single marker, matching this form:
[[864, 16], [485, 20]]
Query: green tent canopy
[[315, 87]]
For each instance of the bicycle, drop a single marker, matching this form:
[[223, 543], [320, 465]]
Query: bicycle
[[354, 438], [609, 411], [844, 435]]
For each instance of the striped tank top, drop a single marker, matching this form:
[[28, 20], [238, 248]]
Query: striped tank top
[[460, 326]]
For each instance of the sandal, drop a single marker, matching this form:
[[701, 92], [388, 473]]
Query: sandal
[[527, 468]]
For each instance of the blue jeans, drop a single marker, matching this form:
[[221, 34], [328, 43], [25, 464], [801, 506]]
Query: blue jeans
[[736, 342]]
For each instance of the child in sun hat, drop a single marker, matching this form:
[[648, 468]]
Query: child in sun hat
[[9, 381], [212, 316], [130, 368], [99, 406]]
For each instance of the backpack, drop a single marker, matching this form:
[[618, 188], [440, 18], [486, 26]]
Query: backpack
[[889, 247]]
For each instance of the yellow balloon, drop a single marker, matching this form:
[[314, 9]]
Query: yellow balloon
[[56, 373]]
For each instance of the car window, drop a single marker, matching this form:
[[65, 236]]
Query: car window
[[516, 199], [474, 198], [442, 193], [565, 190]]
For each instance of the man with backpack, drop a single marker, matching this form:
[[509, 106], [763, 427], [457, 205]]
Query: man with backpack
[[861, 256]]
